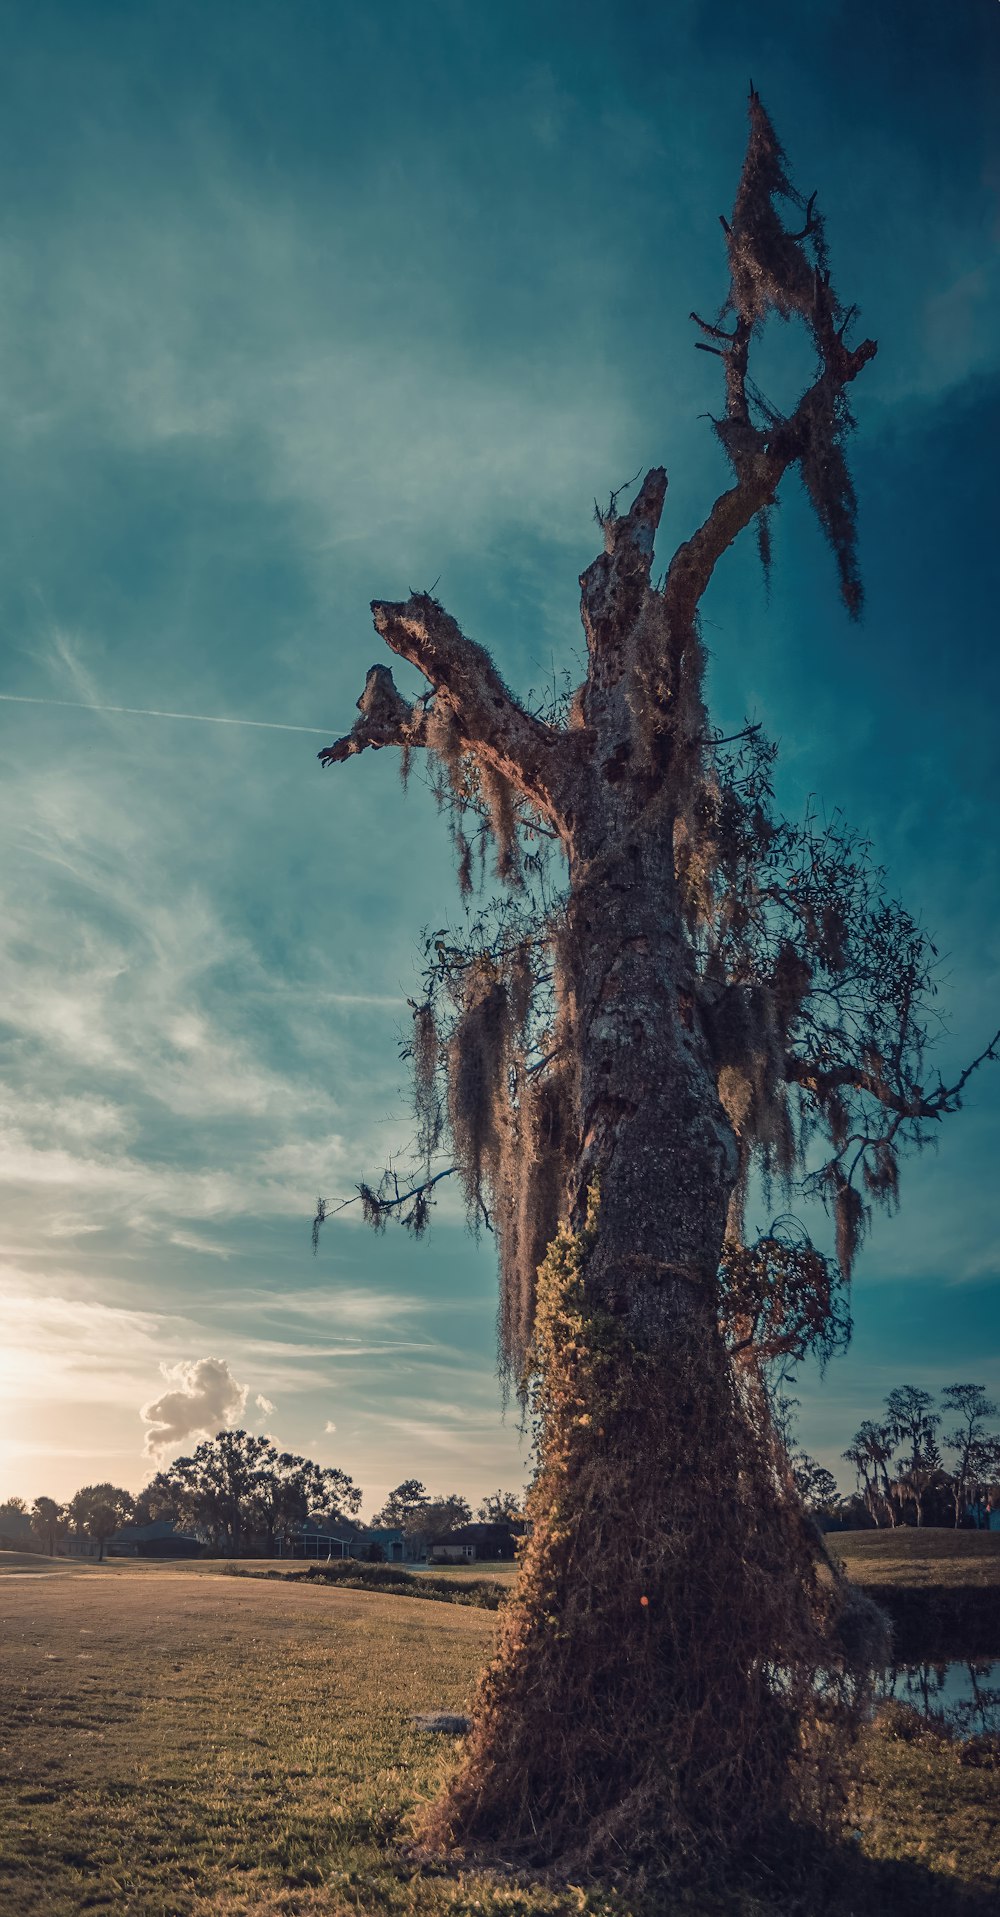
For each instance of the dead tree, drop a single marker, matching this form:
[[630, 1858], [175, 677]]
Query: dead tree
[[608, 1054]]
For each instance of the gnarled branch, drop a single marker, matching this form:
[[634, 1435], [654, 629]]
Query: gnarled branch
[[613, 586], [467, 690], [774, 270], [386, 719]]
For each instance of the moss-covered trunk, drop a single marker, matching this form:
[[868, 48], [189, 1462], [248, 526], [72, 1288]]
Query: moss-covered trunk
[[633, 1699]]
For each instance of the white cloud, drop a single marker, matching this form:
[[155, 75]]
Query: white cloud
[[329, 1428], [204, 1395], [264, 1404]]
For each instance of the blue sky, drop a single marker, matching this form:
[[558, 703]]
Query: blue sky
[[303, 304]]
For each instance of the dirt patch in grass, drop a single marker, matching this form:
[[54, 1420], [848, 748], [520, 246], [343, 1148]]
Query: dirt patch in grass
[[187, 1745]]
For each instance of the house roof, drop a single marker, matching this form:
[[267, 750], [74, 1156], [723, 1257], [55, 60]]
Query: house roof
[[338, 1527], [482, 1533]]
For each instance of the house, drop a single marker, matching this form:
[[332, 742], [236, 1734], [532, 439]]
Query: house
[[158, 1540], [478, 1543], [390, 1540], [451, 1550], [336, 1537]]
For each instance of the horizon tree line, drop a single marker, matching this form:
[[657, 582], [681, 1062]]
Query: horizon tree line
[[238, 1493], [898, 1460]]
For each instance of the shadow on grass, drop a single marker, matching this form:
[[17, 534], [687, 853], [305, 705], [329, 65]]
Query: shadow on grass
[[796, 1877], [839, 1880]]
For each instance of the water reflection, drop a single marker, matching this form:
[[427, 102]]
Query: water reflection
[[963, 1694]]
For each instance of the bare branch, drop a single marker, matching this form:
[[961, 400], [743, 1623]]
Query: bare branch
[[386, 719], [467, 685], [949, 1099], [812, 224], [695, 561], [411, 1195], [714, 332], [612, 588]]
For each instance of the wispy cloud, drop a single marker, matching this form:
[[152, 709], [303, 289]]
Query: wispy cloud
[[205, 1247]]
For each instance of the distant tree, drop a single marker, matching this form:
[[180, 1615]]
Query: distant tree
[[99, 1510], [162, 1500], [49, 1522], [817, 1487], [437, 1517], [984, 1463], [870, 1452], [237, 1487], [913, 1423], [293, 1489], [674, 987], [340, 1495], [971, 1440], [403, 1504], [500, 1507], [223, 1486], [15, 1523]]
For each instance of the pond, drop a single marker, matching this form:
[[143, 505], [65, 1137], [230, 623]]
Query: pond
[[965, 1693]]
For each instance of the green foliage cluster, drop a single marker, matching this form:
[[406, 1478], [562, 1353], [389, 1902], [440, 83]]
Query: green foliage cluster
[[237, 1486]]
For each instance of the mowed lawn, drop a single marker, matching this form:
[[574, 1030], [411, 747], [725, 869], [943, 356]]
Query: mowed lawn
[[920, 1557], [181, 1742]]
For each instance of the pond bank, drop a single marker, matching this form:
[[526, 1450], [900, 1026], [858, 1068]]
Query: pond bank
[[934, 1624]]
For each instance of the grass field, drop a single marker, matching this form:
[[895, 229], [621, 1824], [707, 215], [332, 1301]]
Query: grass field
[[924, 1557], [184, 1744]]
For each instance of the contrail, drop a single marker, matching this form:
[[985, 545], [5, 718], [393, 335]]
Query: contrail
[[148, 712]]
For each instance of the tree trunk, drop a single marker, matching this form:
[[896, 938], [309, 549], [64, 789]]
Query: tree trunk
[[664, 1578]]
